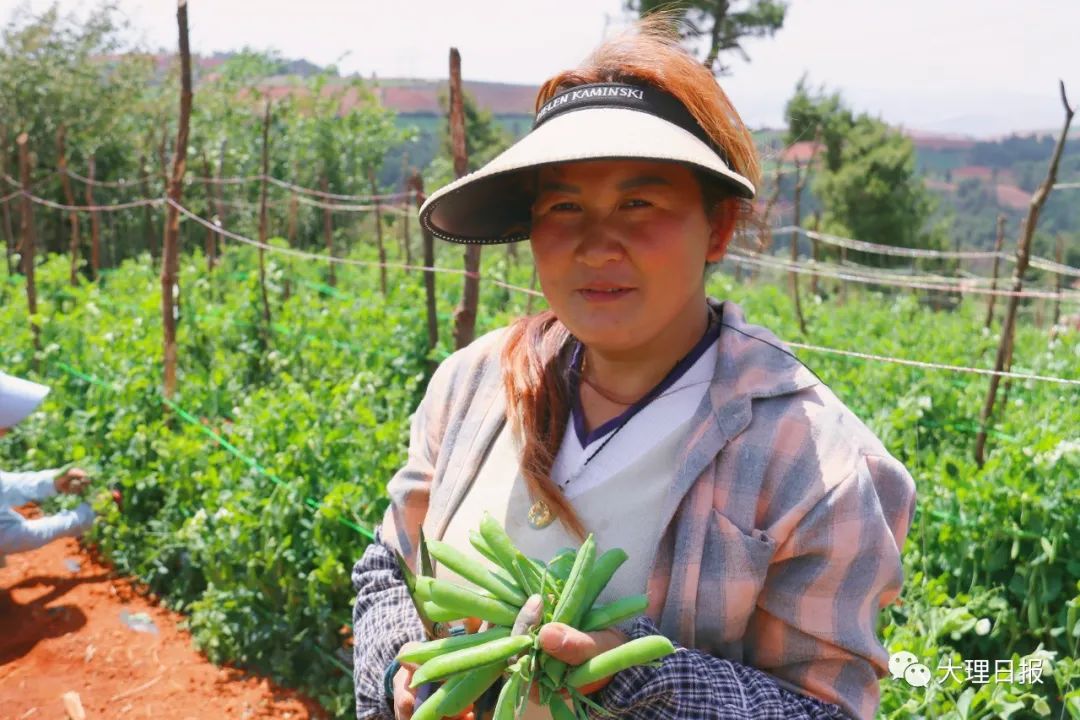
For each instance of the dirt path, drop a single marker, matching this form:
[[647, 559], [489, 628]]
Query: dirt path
[[61, 629]]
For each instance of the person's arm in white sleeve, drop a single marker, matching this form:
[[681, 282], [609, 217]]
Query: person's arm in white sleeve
[[23, 487], [17, 534]]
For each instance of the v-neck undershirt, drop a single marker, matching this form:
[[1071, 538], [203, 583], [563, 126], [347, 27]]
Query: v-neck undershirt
[[664, 408]]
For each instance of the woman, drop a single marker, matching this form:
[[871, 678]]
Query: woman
[[762, 518]]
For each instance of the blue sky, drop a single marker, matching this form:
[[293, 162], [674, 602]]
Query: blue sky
[[978, 66]]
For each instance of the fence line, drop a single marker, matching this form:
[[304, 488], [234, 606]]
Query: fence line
[[803, 346], [736, 257], [90, 208], [879, 249], [766, 261], [238, 180], [934, 366], [340, 207], [408, 195], [304, 254], [109, 183], [856, 272], [1040, 263]]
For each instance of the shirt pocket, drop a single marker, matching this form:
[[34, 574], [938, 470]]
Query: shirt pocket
[[733, 569]]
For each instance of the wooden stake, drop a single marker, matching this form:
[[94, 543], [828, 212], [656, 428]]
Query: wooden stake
[[262, 223], [5, 209], [328, 232], [816, 251], [69, 197], [28, 242], [378, 230], [997, 263], [1060, 257], [465, 315], [222, 209], [1023, 253], [294, 209], [170, 250], [406, 240], [844, 285], [416, 185], [800, 180], [211, 235], [95, 222], [148, 219]]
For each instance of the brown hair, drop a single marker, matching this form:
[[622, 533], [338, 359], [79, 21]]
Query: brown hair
[[535, 358]]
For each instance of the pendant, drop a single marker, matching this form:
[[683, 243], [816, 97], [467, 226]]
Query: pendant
[[540, 515]]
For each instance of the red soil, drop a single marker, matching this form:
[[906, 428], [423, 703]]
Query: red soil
[[61, 631]]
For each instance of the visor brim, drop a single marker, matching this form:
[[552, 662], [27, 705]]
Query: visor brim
[[493, 204]]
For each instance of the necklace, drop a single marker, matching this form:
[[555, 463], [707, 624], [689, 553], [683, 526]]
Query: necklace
[[606, 394]]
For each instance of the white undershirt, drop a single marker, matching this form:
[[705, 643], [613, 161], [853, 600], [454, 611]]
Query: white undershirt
[[638, 436]]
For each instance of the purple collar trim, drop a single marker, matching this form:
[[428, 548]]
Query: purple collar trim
[[712, 334]]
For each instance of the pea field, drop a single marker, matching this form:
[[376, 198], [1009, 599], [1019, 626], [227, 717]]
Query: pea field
[[251, 493]]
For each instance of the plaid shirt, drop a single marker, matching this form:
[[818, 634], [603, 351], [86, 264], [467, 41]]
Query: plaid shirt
[[784, 526]]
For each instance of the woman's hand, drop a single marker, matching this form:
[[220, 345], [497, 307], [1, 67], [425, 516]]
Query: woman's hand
[[574, 647], [405, 697], [73, 482]]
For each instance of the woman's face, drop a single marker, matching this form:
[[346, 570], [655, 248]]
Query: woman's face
[[620, 248]]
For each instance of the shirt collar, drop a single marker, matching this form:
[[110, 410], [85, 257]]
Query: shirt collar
[[752, 363], [577, 414]]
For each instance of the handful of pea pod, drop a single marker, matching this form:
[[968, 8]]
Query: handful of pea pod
[[515, 598]]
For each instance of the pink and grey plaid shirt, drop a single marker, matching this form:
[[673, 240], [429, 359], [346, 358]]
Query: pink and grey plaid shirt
[[784, 524]]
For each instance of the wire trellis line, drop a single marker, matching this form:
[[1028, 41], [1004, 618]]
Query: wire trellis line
[[802, 346], [856, 272], [765, 261], [935, 366], [319, 257], [91, 208], [897, 251], [121, 183]]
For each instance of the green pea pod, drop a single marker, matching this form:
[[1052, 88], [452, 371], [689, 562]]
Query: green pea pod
[[433, 648], [604, 616], [636, 652], [480, 544], [475, 572], [561, 565], [506, 707], [505, 552], [574, 591], [430, 709], [472, 686], [459, 599], [530, 573], [603, 570], [568, 609], [461, 660], [558, 708], [422, 587], [437, 613]]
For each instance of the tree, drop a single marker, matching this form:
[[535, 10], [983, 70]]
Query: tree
[[484, 139], [868, 185], [815, 114], [721, 23], [61, 70]]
